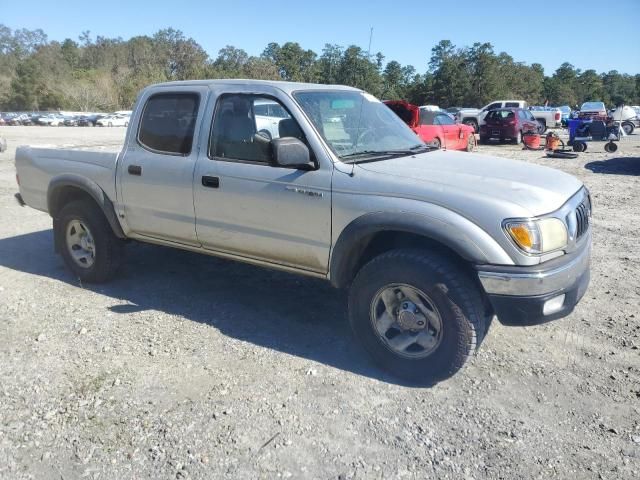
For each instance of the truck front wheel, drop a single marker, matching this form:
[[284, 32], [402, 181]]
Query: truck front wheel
[[87, 243], [418, 314]]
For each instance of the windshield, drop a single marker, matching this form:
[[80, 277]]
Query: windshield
[[593, 106], [355, 123]]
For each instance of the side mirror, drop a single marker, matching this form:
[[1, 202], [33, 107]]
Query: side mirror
[[289, 152]]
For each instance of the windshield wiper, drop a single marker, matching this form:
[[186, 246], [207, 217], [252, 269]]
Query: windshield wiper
[[372, 155]]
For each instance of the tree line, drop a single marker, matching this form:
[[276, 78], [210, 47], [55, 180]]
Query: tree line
[[104, 74]]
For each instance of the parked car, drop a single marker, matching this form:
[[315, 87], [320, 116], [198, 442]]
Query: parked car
[[595, 110], [52, 120], [475, 117], [435, 128], [430, 244], [547, 117], [71, 121], [508, 123], [627, 118], [113, 121], [268, 115], [89, 120], [565, 111]]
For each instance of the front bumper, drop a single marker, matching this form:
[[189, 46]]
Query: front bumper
[[533, 295]]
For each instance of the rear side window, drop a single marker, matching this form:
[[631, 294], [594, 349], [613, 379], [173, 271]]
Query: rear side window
[[168, 123], [493, 106], [512, 104]]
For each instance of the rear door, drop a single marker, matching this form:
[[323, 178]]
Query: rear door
[[155, 172]]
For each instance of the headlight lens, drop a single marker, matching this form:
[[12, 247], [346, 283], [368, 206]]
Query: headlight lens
[[538, 236]]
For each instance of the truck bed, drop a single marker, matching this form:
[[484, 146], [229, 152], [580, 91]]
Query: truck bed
[[36, 166]]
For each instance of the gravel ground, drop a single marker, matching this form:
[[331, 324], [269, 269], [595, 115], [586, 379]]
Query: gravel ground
[[192, 367]]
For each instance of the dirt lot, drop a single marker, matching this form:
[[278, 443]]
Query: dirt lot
[[192, 367]]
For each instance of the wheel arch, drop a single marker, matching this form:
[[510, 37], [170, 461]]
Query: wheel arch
[[374, 233], [69, 187]]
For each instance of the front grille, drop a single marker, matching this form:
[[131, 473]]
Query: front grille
[[583, 214]]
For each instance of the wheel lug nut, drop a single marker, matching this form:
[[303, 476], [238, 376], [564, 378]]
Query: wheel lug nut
[[405, 305]]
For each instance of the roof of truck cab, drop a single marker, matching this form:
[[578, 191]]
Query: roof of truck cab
[[285, 86]]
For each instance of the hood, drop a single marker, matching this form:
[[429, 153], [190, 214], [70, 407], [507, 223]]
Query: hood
[[466, 182], [410, 114]]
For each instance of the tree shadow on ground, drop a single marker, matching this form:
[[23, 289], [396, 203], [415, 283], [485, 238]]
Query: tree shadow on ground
[[616, 166], [296, 315]]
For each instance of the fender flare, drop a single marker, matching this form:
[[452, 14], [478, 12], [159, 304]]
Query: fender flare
[[481, 249], [60, 182]]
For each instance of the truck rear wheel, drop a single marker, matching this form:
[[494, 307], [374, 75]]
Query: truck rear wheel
[[87, 243], [417, 314]]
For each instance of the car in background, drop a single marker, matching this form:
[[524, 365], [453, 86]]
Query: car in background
[[565, 112], [71, 121], [90, 120], [508, 123], [594, 110], [547, 117], [52, 120], [627, 118], [475, 117], [268, 115], [435, 127], [113, 121]]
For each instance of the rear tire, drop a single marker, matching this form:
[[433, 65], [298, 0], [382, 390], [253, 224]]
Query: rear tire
[[628, 128], [518, 139], [437, 143], [81, 227], [542, 126], [471, 123], [452, 296]]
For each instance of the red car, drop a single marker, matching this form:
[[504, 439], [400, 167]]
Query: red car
[[435, 128], [510, 123]]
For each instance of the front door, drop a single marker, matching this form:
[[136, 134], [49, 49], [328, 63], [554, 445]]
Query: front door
[[155, 173], [246, 207]]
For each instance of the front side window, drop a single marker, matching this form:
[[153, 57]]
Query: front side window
[[443, 119], [355, 123], [168, 123], [244, 125]]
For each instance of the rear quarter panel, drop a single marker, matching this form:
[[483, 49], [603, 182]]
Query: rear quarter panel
[[36, 167]]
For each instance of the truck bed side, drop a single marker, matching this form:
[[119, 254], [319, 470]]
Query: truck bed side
[[36, 167]]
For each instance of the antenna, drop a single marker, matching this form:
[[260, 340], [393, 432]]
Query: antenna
[[370, 37]]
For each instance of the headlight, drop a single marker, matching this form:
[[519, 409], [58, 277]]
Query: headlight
[[538, 236]]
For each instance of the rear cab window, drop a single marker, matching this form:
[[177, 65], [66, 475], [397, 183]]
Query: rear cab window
[[168, 122]]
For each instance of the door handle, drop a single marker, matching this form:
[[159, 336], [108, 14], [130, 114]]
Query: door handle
[[211, 182], [134, 170]]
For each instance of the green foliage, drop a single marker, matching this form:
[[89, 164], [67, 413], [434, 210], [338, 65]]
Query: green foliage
[[104, 74]]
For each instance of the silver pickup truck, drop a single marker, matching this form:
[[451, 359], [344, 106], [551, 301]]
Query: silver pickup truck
[[430, 244]]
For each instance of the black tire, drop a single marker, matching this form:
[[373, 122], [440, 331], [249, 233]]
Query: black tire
[[472, 123], [579, 147], [542, 126], [437, 143], [628, 128], [265, 133], [109, 249], [610, 147], [456, 297]]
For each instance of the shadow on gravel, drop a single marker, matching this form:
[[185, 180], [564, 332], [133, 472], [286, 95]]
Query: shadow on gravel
[[295, 315], [616, 166]]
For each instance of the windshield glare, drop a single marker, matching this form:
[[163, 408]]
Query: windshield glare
[[354, 122]]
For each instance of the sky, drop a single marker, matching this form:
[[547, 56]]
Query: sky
[[599, 34]]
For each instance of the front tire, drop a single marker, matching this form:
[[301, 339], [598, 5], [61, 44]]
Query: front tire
[[418, 314], [87, 243]]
